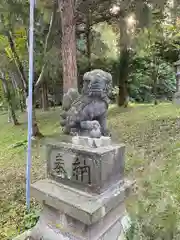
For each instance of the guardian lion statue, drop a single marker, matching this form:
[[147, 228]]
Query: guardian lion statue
[[86, 114]]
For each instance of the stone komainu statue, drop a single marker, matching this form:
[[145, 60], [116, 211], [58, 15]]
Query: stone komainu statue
[[86, 114]]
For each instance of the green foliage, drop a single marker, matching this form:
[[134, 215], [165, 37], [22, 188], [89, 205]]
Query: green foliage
[[166, 80], [30, 219], [141, 82], [156, 49], [159, 40], [108, 39], [169, 46]]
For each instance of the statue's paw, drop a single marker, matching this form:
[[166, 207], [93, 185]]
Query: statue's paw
[[95, 133], [72, 124], [62, 122], [66, 131], [106, 133], [63, 114], [73, 132]]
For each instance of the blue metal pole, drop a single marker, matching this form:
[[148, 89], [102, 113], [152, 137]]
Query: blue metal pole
[[30, 100]]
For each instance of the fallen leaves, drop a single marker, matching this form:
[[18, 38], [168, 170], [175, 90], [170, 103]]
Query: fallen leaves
[[152, 137]]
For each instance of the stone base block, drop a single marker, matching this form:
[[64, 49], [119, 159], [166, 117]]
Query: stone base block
[[69, 213], [77, 204], [176, 98], [55, 225], [91, 170], [23, 236]]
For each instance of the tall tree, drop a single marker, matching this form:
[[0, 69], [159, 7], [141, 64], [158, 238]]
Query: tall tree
[[68, 43], [88, 38], [9, 99], [123, 61], [8, 30], [45, 104]]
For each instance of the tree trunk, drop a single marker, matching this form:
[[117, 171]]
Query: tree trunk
[[45, 104], [21, 92], [123, 63], [123, 77], [17, 60], [68, 46], [9, 115], [35, 128], [155, 89], [21, 101], [88, 39], [174, 12], [11, 111], [155, 80], [17, 93]]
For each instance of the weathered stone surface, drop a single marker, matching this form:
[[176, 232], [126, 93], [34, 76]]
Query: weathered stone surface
[[89, 169], [55, 225], [84, 193], [91, 142], [176, 99], [69, 98], [23, 236], [88, 113], [84, 207]]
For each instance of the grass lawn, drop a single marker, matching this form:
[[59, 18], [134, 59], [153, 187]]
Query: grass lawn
[[152, 136]]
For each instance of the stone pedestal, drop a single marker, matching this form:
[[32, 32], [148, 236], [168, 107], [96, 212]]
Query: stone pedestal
[[83, 195], [176, 98], [72, 214], [92, 170]]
